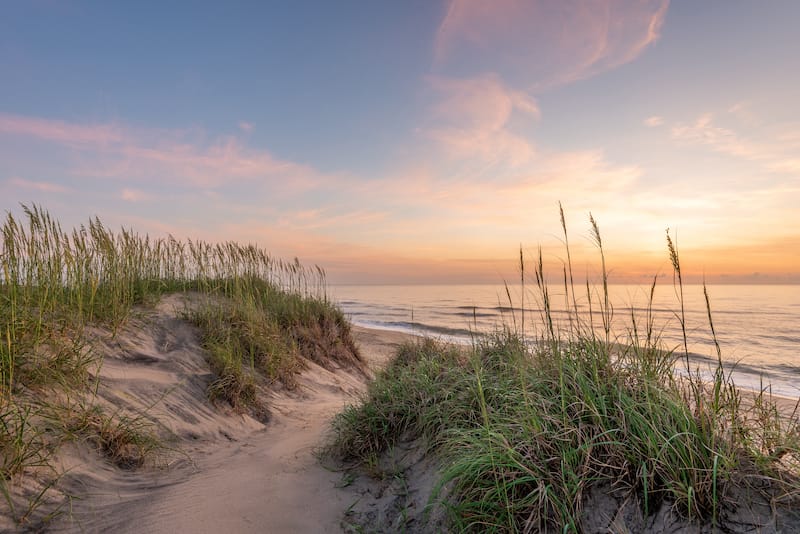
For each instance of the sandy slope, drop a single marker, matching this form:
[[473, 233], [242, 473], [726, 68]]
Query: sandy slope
[[228, 472]]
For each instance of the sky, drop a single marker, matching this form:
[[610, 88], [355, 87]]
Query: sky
[[419, 141]]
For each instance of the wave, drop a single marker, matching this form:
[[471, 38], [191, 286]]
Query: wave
[[756, 329], [454, 334]]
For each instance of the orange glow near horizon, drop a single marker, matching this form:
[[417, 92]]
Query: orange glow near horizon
[[443, 140]]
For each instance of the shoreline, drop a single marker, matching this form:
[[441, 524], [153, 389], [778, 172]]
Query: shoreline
[[233, 472], [755, 326], [749, 387], [741, 504], [227, 471]]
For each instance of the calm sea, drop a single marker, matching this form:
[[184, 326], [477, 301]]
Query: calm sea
[[758, 327]]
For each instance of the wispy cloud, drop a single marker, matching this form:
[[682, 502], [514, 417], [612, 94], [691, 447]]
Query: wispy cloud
[[59, 131], [133, 195], [471, 119], [744, 113], [545, 42], [492, 216], [159, 156], [483, 102], [45, 187], [654, 121], [224, 161], [246, 127], [777, 154]]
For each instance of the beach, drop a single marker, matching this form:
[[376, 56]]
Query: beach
[[226, 471], [365, 267], [756, 326]]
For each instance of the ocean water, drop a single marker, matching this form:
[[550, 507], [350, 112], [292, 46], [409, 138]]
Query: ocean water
[[757, 326]]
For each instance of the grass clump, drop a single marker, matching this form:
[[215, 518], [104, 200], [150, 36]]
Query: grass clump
[[255, 332], [530, 429], [243, 340], [21, 443], [260, 318], [126, 440], [409, 399], [55, 283]]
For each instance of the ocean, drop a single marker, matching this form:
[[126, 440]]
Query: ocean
[[757, 326]]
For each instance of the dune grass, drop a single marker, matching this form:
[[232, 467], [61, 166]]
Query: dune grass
[[253, 330], [259, 318], [529, 426]]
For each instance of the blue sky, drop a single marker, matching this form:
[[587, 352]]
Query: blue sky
[[416, 141]]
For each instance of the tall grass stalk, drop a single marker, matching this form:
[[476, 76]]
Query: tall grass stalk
[[606, 310], [529, 432], [260, 313], [54, 283], [678, 285], [568, 290]]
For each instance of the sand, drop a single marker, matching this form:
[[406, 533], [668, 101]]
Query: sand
[[226, 472]]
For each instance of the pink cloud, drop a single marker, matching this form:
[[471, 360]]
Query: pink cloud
[[133, 195], [44, 187], [60, 131], [466, 207], [471, 119], [480, 102], [654, 121], [776, 154], [225, 161], [542, 43], [246, 127], [146, 155]]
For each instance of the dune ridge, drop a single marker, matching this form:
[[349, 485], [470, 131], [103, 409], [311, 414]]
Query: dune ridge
[[221, 470]]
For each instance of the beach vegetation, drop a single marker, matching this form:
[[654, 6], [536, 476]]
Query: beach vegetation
[[260, 319], [534, 429]]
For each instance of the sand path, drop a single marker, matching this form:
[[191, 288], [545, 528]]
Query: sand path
[[234, 474], [270, 481], [228, 472]]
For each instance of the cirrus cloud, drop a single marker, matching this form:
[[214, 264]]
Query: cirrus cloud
[[569, 39], [159, 156], [654, 121], [471, 119], [44, 187], [776, 154], [60, 131]]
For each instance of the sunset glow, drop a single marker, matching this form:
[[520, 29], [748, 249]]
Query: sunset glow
[[417, 142]]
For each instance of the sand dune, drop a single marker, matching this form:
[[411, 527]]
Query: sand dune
[[225, 472]]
